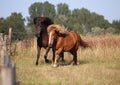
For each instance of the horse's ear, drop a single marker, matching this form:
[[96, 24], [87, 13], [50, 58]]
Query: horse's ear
[[35, 20]]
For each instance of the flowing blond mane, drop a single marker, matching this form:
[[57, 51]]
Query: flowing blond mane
[[58, 28]]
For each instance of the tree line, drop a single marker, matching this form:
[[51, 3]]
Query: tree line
[[79, 20], [16, 22]]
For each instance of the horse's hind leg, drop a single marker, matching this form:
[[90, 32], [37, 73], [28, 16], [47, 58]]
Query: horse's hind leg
[[62, 56], [45, 56], [74, 58], [38, 54]]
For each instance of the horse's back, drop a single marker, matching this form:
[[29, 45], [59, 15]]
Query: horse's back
[[74, 36], [71, 37]]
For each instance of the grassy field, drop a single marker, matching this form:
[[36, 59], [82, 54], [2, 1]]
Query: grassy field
[[97, 66]]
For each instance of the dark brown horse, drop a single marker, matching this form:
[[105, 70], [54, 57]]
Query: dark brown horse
[[41, 24], [63, 41]]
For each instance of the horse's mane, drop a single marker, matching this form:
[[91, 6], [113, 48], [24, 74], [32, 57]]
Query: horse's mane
[[58, 28], [44, 20]]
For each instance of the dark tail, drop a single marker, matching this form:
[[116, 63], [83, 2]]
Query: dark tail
[[84, 44]]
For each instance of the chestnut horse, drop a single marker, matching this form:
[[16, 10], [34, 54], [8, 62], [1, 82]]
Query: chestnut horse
[[63, 41], [41, 24]]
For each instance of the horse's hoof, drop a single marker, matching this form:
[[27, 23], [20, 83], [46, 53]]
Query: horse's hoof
[[47, 61], [63, 61], [36, 63], [73, 63], [55, 65]]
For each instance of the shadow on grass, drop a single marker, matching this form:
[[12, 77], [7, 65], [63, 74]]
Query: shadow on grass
[[66, 63], [81, 62]]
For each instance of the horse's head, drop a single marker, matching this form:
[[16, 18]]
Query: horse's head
[[38, 27], [54, 31], [41, 24], [52, 36]]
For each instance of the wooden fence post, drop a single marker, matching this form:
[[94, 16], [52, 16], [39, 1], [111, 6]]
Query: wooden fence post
[[8, 63], [2, 47], [5, 43], [6, 75], [4, 69], [1, 55], [10, 34], [9, 40], [8, 72], [7, 68]]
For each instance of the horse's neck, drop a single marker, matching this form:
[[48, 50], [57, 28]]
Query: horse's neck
[[43, 39], [44, 34]]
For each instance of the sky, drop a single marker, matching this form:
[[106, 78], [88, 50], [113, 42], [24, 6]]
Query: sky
[[110, 9]]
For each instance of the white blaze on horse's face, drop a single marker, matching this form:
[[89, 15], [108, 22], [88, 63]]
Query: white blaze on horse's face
[[51, 38]]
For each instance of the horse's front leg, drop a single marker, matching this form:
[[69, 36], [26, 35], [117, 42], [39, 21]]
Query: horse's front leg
[[38, 54], [57, 57], [53, 58], [45, 56]]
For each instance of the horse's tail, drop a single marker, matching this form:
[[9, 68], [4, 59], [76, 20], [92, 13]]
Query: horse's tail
[[83, 43]]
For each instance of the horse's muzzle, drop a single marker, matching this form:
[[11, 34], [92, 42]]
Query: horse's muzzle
[[50, 45]]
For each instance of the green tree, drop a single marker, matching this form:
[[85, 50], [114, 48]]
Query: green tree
[[97, 31], [41, 9], [88, 20], [16, 21], [98, 20], [116, 25], [63, 14], [82, 16], [111, 30], [3, 27], [49, 10], [78, 20], [36, 9], [63, 9]]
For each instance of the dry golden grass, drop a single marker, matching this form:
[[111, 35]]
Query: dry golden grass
[[99, 66]]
